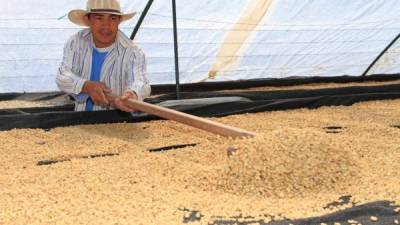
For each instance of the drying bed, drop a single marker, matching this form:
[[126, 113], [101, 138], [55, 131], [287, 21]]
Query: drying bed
[[337, 164]]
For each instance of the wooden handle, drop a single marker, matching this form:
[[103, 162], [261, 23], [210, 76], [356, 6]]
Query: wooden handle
[[194, 121]]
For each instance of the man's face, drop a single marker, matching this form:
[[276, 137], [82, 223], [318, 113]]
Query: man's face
[[104, 28]]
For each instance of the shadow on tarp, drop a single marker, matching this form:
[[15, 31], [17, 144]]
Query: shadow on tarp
[[374, 213], [256, 101]]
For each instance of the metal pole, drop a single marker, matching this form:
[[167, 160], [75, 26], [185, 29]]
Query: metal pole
[[380, 55], [146, 9], [176, 50]]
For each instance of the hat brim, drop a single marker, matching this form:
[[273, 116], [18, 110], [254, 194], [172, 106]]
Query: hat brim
[[76, 16]]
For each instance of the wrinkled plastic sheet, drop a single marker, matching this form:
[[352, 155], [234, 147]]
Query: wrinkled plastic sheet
[[294, 38]]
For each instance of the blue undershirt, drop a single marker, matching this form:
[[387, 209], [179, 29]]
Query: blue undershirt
[[97, 62]]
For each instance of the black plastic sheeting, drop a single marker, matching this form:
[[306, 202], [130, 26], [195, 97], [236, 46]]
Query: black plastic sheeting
[[276, 82], [383, 211], [256, 101]]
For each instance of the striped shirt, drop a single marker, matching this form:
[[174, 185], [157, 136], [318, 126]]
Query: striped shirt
[[123, 69]]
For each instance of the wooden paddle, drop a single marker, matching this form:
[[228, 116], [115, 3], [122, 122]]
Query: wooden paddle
[[194, 121]]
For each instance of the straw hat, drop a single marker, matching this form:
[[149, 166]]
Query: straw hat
[[98, 6]]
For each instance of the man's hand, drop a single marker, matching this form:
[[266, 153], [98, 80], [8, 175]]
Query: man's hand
[[119, 102], [96, 91]]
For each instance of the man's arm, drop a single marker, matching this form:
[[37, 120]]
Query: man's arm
[[71, 83], [66, 79], [140, 84], [137, 82]]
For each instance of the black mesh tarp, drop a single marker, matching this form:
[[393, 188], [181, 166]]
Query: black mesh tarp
[[248, 102], [374, 213]]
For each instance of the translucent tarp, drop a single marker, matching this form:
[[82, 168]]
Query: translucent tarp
[[218, 40]]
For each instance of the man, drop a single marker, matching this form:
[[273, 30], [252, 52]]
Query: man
[[101, 60]]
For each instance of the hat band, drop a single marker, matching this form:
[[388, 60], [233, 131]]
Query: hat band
[[104, 10]]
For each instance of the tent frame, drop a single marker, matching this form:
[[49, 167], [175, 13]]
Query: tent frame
[[176, 49], [380, 55], [175, 28]]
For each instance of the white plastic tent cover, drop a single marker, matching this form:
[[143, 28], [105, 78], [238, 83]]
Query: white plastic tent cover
[[218, 40]]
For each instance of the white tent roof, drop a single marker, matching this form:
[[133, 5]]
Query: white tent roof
[[236, 38]]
